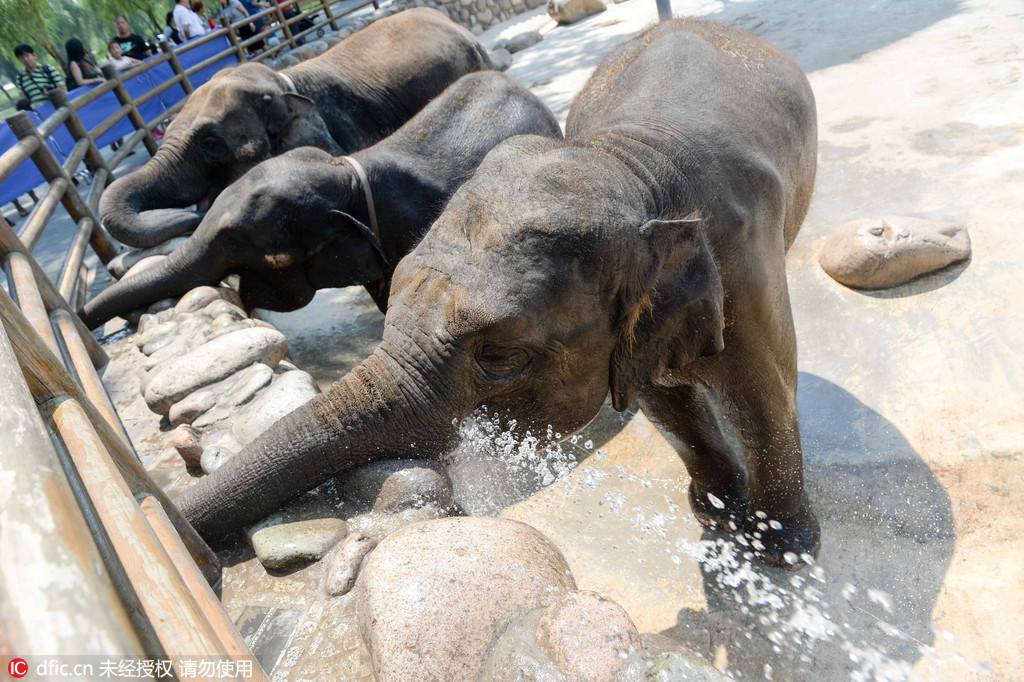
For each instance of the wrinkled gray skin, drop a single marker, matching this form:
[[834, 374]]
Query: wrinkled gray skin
[[564, 269], [299, 222], [348, 98]]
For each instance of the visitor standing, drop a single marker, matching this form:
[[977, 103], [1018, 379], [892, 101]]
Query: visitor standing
[[171, 32], [37, 79], [132, 45]]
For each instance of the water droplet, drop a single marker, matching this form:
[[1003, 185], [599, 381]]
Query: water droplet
[[760, 515], [775, 524], [716, 502], [589, 445], [790, 558]]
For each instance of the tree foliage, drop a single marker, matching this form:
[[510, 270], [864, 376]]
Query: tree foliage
[[30, 21]]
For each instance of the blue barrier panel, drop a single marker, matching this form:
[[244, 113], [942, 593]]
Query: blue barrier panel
[[27, 177], [196, 55]]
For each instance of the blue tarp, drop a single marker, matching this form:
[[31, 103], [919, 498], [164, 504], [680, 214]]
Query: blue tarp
[[26, 177]]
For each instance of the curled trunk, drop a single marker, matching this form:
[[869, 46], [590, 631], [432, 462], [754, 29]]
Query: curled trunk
[[380, 409], [188, 267], [135, 208]]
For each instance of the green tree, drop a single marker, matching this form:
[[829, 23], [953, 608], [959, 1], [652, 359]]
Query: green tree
[[133, 10], [30, 21]]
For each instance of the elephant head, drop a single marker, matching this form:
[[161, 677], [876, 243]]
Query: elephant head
[[542, 285], [286, 227], [240, 117]]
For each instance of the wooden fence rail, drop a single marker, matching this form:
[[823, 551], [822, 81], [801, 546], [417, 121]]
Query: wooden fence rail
[[106, 552]]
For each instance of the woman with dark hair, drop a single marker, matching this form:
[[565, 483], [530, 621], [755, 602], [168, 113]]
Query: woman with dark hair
[[82, 70]]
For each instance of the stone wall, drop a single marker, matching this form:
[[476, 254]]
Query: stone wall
[[477, 15]]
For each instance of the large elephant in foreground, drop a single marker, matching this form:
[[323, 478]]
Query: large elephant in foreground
[[644, 255], [300, 221], [348, 98]]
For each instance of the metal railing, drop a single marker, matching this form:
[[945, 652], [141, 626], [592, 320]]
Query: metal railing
[[87, 535]]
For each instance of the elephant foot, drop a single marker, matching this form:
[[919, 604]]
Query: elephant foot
[[718, 510], [784, 543]]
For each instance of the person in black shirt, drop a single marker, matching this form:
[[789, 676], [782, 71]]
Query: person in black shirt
[[132, 45]]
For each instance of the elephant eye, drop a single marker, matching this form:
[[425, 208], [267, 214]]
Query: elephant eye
[[501, 363], [214, 147]]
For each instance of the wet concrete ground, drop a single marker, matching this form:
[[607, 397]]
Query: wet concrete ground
[[910, 399]]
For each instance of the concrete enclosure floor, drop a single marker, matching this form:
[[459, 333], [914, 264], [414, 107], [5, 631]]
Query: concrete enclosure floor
[[910, 399]]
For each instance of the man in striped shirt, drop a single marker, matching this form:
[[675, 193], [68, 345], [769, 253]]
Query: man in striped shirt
[[37, 79]]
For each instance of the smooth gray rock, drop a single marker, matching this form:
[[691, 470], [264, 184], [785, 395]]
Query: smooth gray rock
[[523, 40], [219, 307], [878, 253], [142, 265], [123, 262], [304, 531], [675, 666], [287, 60], [213, 458], [393, 485], [571, 11], [196, 299], [185, 440], [501, 58], [154, 330], [319, 46], [345, 563], [232, 392], [287, 392], [433, 596], [211, 362]]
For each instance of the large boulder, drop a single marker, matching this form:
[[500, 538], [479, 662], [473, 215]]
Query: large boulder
[[877, 253], [433, 596], [501, 58], [571, 11], [216, 359]]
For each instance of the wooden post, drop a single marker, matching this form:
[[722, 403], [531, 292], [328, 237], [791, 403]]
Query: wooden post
[[330, 14], [51, 169], [94, 161], [50, 567], [186, 84], [47, 378], [233, 39], [285, 27], [133, 113]]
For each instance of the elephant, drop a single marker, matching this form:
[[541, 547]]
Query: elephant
[[642, 256], [300, 221], [355, 94]]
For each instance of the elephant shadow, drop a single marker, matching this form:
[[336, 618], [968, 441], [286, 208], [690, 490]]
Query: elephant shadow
[[865, 606]]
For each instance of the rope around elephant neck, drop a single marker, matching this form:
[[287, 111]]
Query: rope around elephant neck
[[364, 181]]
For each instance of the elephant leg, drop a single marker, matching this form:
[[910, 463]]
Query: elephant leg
[[758, 379], [718, 492]]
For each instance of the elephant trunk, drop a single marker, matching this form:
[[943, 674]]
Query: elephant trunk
[[186, 268], [147, 206], [386, 407]]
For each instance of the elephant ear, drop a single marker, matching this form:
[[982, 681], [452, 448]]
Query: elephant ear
[[295, 122], [670, 307]]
